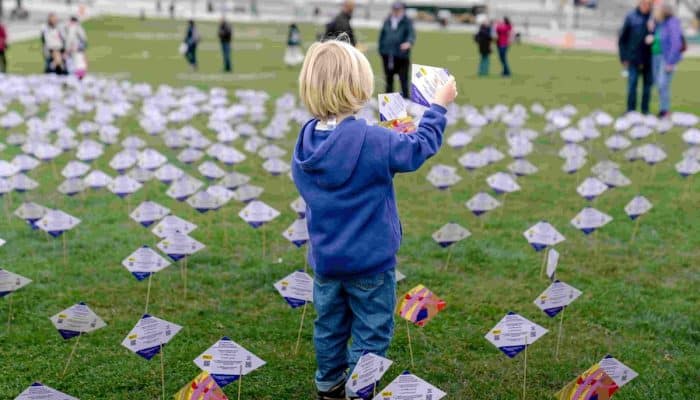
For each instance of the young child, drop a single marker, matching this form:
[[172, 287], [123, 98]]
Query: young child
[[344, 170]]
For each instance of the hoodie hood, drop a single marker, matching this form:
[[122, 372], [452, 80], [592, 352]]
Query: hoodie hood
[[330, 157]]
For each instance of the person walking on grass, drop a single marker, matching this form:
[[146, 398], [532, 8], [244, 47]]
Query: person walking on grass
[[484, 39], [635, 54], [667, 52], [341, 23], [395, 42], [294, 55], [53, 44], [3, 49], [191, 41], [504, 34], [76, 43], [225, 36], [344, 170]]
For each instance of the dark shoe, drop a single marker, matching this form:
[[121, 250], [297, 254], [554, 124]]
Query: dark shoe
[[336, 393], [663, 114]]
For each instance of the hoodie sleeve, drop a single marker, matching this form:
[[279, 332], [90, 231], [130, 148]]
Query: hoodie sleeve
[[407, 152]]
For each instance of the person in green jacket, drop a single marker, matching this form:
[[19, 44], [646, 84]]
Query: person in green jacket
[[395, 42]]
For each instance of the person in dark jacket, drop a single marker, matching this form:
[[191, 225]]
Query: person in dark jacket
[[635, 54], [395, 42], [483, 39], [341, 23], [225, 36], [191, 41]]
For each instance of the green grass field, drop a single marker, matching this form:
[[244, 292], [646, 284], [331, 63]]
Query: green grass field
[[640, 299]]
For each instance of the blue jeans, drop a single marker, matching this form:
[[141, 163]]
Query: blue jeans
[[191, 55], [361, 309], [662, 79], [503, 55], [632, 80], [484, 64], [226, 53]]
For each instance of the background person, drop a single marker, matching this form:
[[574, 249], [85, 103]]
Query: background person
[[294, 55], [395, 42], [75, 45], [635, 54], [484, 39], [53, 45], [225, 36], [666, 53], [191, 41], [3, 49], [341, 23], [504, 32]]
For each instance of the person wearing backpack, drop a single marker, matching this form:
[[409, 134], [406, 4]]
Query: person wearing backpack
[[667, 51]]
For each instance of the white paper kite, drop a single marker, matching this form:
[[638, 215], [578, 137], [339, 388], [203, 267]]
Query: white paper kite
[[443, 176], [482, 203], [617, 142], [638, 206], [189, 156], [210, 170], [459, 139], [168, 173], [276, 167], [619, 372], [11, 282], [572, 135], [591, 188], [149, 212], [22, 183], [124, 185], [471, 161], [38, 391], [247, 193], [72, 186], [688, 166], [514, 333], [271, 151], [221, 193], [652, 154], [89, 150], [178, 246], [296, 288], [233, 180], [409, 386], [299, 207], [143, 262], [367, 372], [203, 201], [501, 182], [55, 222], [140, 174], [149, 335], [557, 296], [25, 162], [449, 234], [77, 320], [590, 219], [8, 169], [491, 154], [226, 361], [31, 213], [151, 159], [257, 213], [297, 233], [552, 263], [97, 179], [543, 235], [172, 224], [522, 167], [183, 188], [614, 178]]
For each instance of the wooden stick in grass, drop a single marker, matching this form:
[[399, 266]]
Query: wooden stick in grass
[[70, 357]]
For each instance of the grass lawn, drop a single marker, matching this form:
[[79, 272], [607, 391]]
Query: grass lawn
[[640, 299]]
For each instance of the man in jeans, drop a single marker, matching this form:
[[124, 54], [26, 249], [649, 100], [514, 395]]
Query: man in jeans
[[225, 35], [635, 54], [395, 42]]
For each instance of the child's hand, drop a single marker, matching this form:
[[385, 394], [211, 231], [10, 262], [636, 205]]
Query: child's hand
[[446, 94]]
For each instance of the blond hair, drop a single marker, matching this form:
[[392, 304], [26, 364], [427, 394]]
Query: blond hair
[[335, 79]]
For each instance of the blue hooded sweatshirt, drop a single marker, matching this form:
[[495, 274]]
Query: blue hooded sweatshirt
[[346, 176]]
